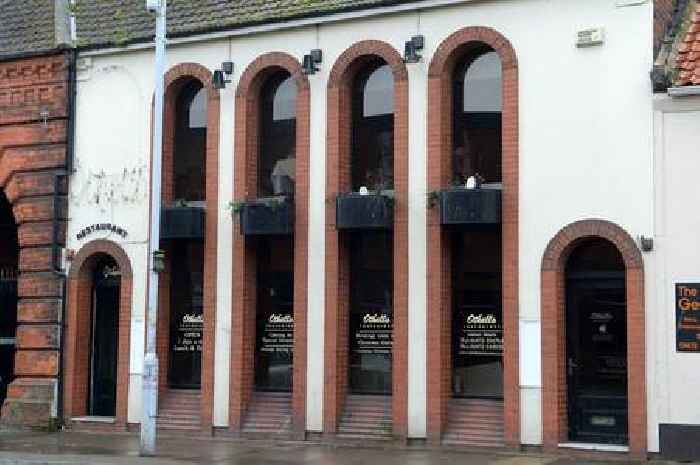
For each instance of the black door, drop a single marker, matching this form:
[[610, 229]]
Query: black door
[[105, 336], [597, 357], [8, 325]]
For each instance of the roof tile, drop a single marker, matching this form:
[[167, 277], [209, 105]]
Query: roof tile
[[688, 61], [118, 22]]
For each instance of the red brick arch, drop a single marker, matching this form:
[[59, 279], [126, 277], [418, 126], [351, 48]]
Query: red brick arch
[[337, 257], [175, 78], [244, 253], [79, 308], [554, 396], [439, 265], [32, 158]]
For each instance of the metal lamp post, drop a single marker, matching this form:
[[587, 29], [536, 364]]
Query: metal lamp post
[[155, 256]]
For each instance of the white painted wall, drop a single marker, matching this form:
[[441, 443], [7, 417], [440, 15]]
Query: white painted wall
[[673, 376], [585, 151]]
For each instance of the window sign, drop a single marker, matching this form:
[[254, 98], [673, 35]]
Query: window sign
[[688, 317], [480, 333]]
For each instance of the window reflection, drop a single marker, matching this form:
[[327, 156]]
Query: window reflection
[[277, 157], [477, 107], [373, 128], [190, 142]]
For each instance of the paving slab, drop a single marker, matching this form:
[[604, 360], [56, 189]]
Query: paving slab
[[70, 448]]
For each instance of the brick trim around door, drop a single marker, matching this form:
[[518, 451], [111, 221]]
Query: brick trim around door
[[438, 267], [77, 332], [244, 254], [554, 396], [174, 79], [337, 260]]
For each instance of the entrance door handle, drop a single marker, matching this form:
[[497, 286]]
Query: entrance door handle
[[571, 366]]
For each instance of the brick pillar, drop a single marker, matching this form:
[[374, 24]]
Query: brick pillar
[[31, 154]]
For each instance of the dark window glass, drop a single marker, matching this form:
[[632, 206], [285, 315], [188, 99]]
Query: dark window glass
[[477, 316], [190, 142], [373, 128], [477, 116], [277, 157], [371, 313], [186, 317], [275, 315]]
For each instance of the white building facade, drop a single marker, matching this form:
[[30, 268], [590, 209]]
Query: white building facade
[[589, 162]]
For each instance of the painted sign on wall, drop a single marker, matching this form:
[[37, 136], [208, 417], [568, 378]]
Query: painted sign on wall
[[688, 317]]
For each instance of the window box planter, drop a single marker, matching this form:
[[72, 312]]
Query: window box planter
[[370, 211], [470, 207], [183, 222], [267, 217]]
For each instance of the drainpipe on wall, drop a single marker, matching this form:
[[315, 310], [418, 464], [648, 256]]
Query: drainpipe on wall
[[57, 265]]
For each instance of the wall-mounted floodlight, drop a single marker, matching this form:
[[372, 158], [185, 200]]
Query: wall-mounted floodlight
[[219, 81], [311, 60], [412, 48]]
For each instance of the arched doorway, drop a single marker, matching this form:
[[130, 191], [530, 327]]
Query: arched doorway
[[97, 335], [9, 252], [104, 337], [593, 338], [596, 344]]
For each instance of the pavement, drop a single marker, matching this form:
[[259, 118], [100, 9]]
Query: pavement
[[71, 448]]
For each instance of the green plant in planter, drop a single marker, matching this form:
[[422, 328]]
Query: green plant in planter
[[433, 198], [236, 206]]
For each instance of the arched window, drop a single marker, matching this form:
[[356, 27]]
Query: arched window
[[373, 127], [277, 157], [190, 142], [477, 108]]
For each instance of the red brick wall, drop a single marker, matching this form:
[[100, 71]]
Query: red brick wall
[[174, 79], [554, 408], [439, 266], [244, 249], [337, 260], [76, 354], [31, 154]]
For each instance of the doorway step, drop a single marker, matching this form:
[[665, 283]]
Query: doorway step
[[474, 423], [365, 418], [269, 416], [179, 411]]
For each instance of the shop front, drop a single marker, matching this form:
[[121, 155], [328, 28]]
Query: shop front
[[8, 294]]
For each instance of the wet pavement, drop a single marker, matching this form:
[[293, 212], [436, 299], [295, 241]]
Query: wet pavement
[[116, 449]]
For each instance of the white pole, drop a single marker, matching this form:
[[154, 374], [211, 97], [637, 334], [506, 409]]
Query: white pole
[[150, 365]]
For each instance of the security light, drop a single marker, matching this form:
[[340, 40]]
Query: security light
[[411, 49], [218, 80], [311, 60]]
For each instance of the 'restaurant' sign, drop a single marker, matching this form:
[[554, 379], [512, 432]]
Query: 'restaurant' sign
[[109, 227], [688, 317]]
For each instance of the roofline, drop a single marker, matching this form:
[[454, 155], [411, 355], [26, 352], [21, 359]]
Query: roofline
[[387, 7], [683, 91], [33, 54]]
